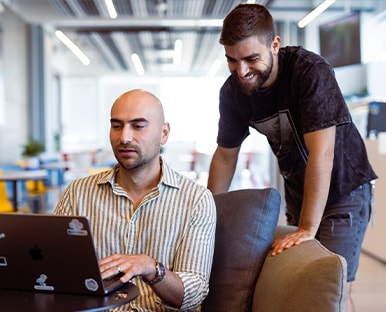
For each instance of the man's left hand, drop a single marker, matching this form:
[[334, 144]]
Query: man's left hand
[[290, 240]]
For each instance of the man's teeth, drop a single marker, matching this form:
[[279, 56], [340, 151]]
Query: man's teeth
[[249, 77]]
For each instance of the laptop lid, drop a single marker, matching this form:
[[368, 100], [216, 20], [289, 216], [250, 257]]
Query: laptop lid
[[49, 253]]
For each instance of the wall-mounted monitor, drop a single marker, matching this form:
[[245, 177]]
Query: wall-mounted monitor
[[340, 40], [376, 121]]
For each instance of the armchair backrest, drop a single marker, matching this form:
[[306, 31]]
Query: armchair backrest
[[304, 278], [246, 221]]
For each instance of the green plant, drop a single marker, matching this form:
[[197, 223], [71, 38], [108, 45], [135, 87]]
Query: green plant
[[33, 148]]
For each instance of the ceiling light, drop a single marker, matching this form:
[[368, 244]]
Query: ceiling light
[[137, 64], [111, 8], [73, 47], [177, 52], [214, 68], [315, 13]]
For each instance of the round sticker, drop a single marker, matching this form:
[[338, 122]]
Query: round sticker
[[91, 284]]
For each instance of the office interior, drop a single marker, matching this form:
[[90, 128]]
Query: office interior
[[48, 94]]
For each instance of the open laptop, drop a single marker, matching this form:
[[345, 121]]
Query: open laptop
[[50, 253]]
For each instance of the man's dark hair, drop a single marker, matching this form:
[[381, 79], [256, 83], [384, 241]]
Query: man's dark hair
[[247, 20]]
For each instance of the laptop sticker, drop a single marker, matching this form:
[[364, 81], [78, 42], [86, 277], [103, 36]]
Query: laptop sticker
[[76, 228], [91, 284], [42, 283], [3, 261]]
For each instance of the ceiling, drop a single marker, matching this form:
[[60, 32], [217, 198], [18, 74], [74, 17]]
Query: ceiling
[[149, 28]]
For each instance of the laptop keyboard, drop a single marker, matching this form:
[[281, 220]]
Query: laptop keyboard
[[110, 280]]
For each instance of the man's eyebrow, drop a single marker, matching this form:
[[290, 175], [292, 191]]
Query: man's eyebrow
[[139, 119], [229, 57], [253, 55]]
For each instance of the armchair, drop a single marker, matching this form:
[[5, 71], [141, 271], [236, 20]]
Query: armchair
[[245, 277]]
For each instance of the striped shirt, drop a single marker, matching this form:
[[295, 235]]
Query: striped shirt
[[175, 224]]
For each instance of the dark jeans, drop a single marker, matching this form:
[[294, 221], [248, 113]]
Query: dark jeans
[[343, 226]]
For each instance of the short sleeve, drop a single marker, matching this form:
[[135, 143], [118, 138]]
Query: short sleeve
[[321, 102]]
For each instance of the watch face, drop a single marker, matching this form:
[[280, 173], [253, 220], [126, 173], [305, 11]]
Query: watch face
[[159, 275]]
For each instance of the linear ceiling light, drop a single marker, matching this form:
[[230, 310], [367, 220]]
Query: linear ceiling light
[[111, 8], [73, 47], [137, 64], [214, 68], [315, 13], [177, 52]]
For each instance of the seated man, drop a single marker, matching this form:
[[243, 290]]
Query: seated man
[[149, 222]]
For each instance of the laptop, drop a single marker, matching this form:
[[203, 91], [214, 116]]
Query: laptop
[[50, 253]]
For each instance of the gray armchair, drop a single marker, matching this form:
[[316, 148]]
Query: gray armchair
[[245, 277]]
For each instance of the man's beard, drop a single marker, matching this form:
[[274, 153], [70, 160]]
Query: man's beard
[[262, 77], [139, 163]]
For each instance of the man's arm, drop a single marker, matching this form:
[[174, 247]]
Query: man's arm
[[170, 288], [222, 169], [317, 180]]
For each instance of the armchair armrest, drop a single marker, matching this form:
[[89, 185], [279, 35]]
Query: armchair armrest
[[307, 277]]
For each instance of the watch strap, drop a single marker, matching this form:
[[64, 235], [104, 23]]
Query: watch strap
[[159, 275]]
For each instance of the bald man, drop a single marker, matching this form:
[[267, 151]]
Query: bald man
[[149, 222]]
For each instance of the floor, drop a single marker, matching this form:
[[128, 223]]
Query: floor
[[369, 289]]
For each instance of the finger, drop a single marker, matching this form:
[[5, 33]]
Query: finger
[[105, 261], [111, 271], [112, 267], [285, 243]]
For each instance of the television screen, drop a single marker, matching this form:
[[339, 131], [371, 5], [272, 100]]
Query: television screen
[[340, 41]]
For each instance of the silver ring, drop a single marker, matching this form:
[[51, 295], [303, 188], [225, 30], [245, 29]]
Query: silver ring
[[119, 269]]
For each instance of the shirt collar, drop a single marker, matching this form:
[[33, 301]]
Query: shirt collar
[[169, 177]]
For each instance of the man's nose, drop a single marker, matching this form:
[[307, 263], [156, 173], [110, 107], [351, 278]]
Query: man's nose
[[126, 135], [242, 69]]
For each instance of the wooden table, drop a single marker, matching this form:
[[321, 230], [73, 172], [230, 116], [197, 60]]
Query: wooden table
[[16, 176]]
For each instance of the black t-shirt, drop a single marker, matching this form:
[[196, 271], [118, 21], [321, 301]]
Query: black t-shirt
[[304, 98]]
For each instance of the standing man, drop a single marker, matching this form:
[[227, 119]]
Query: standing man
[[291, 96], [149, 222]]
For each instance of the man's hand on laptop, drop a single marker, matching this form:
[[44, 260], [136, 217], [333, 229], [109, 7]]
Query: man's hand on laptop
[[167, 284], [129, 265]]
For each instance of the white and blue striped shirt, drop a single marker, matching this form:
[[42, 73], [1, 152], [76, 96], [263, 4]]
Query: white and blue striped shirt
[[175, 224]]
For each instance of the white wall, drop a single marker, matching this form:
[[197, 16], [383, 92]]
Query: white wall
[[190, 104], [85, 109], [14, 126]]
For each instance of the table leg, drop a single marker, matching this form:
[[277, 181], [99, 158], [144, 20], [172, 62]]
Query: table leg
[[15, 196]]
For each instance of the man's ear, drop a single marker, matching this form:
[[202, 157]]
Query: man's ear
[[275, 46], [165, 133]]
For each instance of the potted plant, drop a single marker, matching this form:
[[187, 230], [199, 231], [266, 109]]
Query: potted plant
[[31, 152]]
